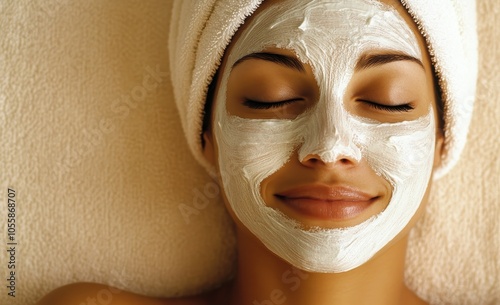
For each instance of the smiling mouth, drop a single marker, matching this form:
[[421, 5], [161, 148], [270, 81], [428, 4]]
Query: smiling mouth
[[327, 203]]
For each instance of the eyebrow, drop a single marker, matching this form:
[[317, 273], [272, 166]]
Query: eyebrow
[[284, 60], [368, 61]]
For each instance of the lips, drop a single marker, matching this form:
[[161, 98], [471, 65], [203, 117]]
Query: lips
[[326, 202]]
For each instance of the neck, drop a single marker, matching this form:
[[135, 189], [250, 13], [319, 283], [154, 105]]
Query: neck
[[265, 279]]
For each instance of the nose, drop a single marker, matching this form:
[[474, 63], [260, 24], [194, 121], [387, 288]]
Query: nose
[[328, 140], [331, 155]]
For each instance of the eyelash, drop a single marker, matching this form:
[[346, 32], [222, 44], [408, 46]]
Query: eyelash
[[397, 108], [272, 105], [266, 105]]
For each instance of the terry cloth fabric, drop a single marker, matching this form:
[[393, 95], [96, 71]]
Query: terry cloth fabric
[[201, 30], [101, 171], [449, 27]]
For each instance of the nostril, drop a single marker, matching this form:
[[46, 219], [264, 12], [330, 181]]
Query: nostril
[[329, 152], [345, 161], [313, 160]]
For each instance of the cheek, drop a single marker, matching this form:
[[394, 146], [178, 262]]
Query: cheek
[[397, 151], [226, 202], [420, 211]]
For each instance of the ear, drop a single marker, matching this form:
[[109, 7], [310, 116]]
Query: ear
[[209, 146], [439, 149]]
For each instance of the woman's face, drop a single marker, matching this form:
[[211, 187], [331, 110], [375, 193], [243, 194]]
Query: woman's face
[[324, 129]]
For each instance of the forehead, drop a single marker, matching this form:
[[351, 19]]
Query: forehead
[[325, 29], [269, 7], [395, 4]]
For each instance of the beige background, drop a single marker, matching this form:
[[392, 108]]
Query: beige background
[[91, 142]]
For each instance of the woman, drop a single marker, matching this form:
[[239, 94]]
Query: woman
[[323, 127]]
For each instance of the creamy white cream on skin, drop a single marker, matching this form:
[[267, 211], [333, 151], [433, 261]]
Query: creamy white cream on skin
[[330, 36]]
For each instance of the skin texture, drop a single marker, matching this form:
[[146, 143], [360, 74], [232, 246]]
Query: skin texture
[[264, 278]]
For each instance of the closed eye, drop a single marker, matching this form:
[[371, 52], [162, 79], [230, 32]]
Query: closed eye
[[391, 108], [267, 105]]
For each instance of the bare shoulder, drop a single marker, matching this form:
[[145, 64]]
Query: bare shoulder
[[94, 294]]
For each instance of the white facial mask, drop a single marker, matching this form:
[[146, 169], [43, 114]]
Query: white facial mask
[[253, 149]]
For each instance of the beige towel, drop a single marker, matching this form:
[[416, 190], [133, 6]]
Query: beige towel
[[103, 205]]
